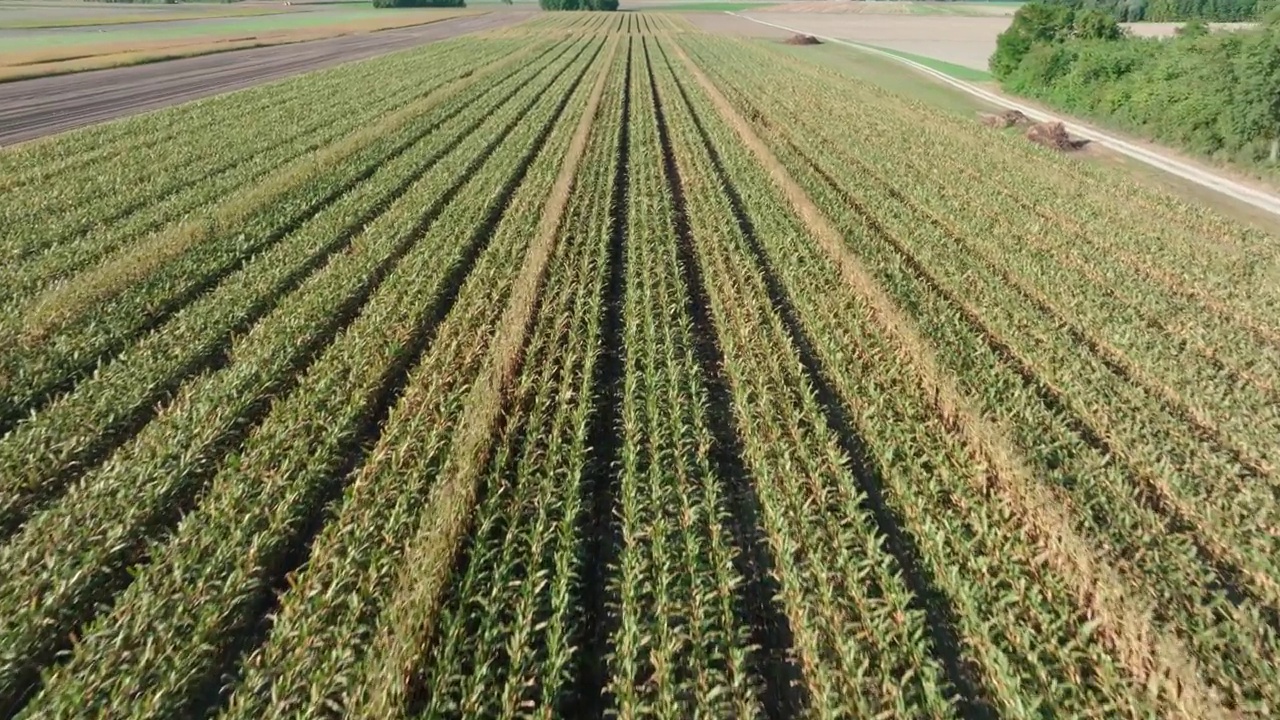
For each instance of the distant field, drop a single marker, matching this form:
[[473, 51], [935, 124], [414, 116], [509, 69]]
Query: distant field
[[33, 53], [73, 39], [1167, 29], [964, 41], [604, 367], [15, 20], [885, 72]]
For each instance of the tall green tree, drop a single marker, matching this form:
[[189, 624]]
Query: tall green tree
[[1257, 90], [1033, 23]]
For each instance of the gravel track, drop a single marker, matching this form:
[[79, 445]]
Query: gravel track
[[39, 107]]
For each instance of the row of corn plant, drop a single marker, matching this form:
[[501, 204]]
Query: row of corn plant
[[1119, 314], [961, 232], [861, 644], [390, 685], [680, 648], [327, 619], [963, 227], [40, 455], [929, 272], [1178, 247], [91, 229], [1160, 245], [206, 583], [66, 558], [1186, 245], [143, 191], [31, 371], [1217, 375], [70, 205], [59, 157], [1153, 311], [213, 241], [1034, 646], [205, 123], [508, 643]]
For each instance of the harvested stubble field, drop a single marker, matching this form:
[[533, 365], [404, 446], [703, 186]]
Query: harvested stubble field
[[600, 365]]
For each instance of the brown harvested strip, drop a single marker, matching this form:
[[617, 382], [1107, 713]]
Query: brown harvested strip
[[62, 303], [445, 515], [1155, 660]]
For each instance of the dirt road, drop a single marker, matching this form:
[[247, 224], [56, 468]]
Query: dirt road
[[44, 106]]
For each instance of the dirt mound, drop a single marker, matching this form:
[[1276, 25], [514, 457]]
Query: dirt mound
[[802, 40], [1006, 119], [1054, 135]]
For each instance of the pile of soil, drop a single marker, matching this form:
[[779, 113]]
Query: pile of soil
[[802, 40], [1054, 135], [1006, 119]]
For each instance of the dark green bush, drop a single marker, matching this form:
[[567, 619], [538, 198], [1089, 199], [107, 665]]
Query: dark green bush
[[1213, 93], [1043, 23]]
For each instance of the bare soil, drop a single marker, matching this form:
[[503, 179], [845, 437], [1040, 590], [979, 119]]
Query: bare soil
[[60, 60], [732, 25]]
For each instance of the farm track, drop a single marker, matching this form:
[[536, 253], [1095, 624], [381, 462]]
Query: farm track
[[593, 374], [45, 106]]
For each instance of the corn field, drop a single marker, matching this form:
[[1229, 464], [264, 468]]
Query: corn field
[[600, 366]]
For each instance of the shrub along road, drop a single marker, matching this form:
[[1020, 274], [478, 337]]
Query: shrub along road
[[44, 106]]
